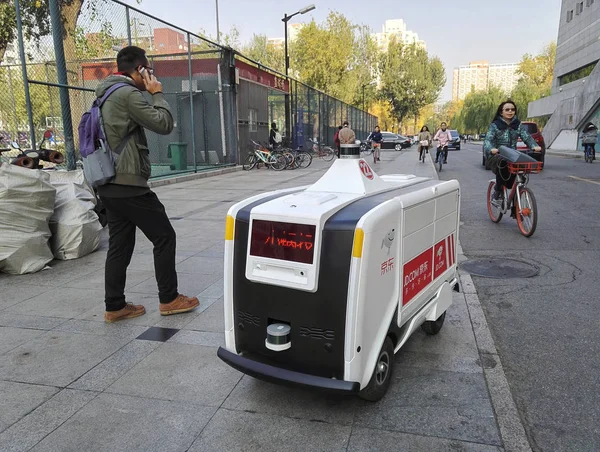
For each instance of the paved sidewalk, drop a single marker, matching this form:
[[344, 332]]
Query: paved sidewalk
[[565, 153], [70, 382]]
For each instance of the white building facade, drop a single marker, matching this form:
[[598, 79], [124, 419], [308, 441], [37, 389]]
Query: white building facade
[[575, 96], [480, 75]]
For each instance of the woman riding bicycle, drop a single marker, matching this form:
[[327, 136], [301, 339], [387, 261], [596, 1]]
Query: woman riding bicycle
[[443, 137], [505, 130], [376, 138], [424, 142]]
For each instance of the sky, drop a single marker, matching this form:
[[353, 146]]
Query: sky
[[457, 31]]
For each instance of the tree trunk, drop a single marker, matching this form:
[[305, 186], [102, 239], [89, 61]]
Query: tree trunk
[[78, 99]]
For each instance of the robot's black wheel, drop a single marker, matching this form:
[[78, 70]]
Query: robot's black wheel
[[433, 327], [382, 374]]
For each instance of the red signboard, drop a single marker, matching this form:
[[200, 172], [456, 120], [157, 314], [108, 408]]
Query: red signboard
[[365, 169], [418, 273], [263, 77]]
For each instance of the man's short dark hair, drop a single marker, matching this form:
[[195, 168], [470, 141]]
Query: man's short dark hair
[[346, 123], [129, 58]]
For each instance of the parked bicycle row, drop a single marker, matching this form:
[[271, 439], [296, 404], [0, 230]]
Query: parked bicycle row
[[280, 158]]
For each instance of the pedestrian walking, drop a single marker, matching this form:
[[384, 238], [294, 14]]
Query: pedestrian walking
[[346, 134], [275, 138], [129, 202], [336, 140]]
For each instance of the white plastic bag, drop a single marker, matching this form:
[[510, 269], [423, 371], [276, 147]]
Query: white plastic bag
[[26, 205], [74, 225]]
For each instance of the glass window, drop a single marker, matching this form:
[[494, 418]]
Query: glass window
[[530, 127], [577, 74], [253, 119]]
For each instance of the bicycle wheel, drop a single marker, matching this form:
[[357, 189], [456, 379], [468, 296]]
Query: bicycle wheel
[[440, 164], [289, 159], [250, 162], [277, 162], [305, 159], [494, 210], [327, 154], [527, 215]]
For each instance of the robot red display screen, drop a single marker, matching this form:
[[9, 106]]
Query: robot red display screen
[[285, 241]]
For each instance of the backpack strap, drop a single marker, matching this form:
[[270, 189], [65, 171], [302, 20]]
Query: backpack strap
[[101, 100], [111, 90]]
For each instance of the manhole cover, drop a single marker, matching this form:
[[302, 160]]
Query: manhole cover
[[500, 268]]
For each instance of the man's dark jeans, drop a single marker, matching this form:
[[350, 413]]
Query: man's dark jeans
[[124, 215]]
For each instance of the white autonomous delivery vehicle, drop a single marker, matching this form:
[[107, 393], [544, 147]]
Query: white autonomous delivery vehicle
[[324, 283]]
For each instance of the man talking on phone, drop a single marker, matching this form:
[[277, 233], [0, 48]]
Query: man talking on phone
[[129, 202]]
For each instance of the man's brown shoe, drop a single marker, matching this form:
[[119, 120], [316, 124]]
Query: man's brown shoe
[[179, 305], [128, 312]]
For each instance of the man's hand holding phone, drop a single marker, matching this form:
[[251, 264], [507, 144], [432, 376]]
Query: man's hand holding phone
[[151, 83]]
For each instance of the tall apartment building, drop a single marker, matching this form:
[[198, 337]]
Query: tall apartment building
[[396, 28], [575, 96], [480, 75]]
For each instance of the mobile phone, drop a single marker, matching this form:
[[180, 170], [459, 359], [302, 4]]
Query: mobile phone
[[142, 70]]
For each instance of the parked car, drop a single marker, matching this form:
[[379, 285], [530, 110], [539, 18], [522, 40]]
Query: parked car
[[455, 142], [405, 141], [390, 141], [536, 134]]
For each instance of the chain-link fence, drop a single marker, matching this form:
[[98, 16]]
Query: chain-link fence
[[219, 99]]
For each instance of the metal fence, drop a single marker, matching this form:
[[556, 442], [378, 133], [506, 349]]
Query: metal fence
[[220, 99]]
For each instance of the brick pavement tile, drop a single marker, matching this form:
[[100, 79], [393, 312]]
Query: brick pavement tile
[[30, 430], [122, 423], [231, 431], [18, 399], [186, 373]]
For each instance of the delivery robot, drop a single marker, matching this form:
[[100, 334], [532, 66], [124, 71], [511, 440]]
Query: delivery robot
[[325, 283]]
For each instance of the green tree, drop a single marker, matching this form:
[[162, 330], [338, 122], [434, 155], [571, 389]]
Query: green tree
[[337, 57], [259, 49], [480, 108], [410, 79], [536, 80], [538, 70], [98, 45], [13, 111], [35, 17]]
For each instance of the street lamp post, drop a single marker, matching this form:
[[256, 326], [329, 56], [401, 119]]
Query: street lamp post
[[285, 20], [363, 105], [217, 10]]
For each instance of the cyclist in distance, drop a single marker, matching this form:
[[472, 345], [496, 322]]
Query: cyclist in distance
[[444, 137], [376, 137], [589, 138], [424, 142], [505, 130]]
